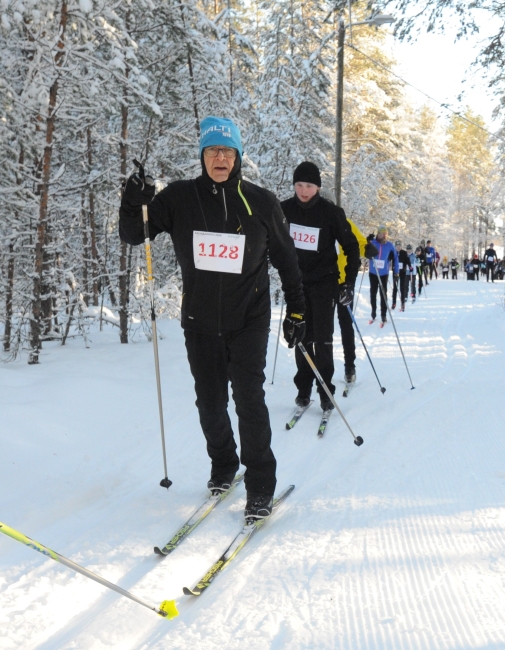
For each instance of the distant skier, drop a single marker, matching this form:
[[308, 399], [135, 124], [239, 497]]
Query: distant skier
[[421, 267], [379, 271], [225, 231], [470, 269], [412, 272], [476, 266], [454, 268], [445, 268], [430, 256], [400, 284], [490, 257], [316, 225], [368, 250]]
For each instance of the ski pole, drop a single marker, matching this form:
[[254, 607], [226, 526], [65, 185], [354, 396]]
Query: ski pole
[[393, 323], [278, 337], [358, 440], [165, 482], [383, 390], [359, 290], [167, 609]]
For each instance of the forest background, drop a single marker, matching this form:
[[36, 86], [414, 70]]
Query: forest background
[[88, 85]]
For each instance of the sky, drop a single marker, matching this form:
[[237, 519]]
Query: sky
[[442, 68]]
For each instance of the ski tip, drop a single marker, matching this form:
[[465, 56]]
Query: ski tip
[[191, 592], [159, 551], [288, 426], [168, 609]]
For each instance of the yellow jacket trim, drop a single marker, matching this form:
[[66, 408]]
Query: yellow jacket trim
[[249, 211]]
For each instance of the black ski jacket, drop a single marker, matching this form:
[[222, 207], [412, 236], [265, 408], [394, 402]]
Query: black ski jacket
[[332, 222], [216, 302], [490, 253], [404, 260]]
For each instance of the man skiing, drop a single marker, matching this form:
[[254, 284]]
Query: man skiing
[[402, 281], [224, 231], [421, 268], [430, 255], [379, 271], [490, 258], [411, 272], [368, 250], [316, 224], [475, 264], [454, 268]]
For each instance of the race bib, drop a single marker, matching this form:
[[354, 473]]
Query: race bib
[[400, 265], [216, 251], [379, 264], [490, 259], [304, 236], [475, 267]]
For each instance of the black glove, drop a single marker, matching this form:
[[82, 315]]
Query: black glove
[[293, 328], [346, 295], [139, 188], [370, 237], [371, 250]]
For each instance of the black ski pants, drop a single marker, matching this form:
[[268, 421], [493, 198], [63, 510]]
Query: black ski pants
[[374, 287], [412, 282], [347, 335], [320, 299], [400, 285], [489, 270], [238, 358], [454, 274]]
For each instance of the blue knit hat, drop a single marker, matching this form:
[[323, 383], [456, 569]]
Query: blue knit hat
[[219, 131]]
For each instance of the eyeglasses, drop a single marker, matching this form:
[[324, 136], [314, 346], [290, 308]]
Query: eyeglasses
[[212, 152]]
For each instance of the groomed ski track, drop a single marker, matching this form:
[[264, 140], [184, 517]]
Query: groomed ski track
[[397, 544]]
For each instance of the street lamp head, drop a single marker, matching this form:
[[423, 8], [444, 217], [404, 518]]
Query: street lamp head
[[381, 19]]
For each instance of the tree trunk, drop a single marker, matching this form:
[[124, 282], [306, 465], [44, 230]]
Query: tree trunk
[[9, 292], [37, 306], [92, 225], [85, 250], [123, 259]]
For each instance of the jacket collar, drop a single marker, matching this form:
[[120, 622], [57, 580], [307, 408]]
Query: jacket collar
[[309, 204]]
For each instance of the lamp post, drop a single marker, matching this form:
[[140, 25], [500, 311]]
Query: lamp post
[[377, 21]]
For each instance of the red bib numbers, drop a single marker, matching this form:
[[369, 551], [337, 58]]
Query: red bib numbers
[[304, 237], [379, 264], [216, 251]]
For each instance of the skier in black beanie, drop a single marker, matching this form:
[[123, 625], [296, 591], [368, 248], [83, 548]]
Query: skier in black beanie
[[315, 225]]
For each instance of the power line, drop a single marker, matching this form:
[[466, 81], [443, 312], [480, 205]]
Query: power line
[[445, 106]]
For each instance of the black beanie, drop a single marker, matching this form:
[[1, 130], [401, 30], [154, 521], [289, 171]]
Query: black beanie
[[307, 172]]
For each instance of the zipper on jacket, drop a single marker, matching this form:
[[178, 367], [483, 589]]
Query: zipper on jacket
[[225, 208]]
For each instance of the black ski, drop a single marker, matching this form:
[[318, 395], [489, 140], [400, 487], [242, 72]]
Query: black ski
[[324, 422], [196, 518], [238, 543], [300, 410]]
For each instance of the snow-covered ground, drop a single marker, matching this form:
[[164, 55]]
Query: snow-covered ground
[[399, 543]]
